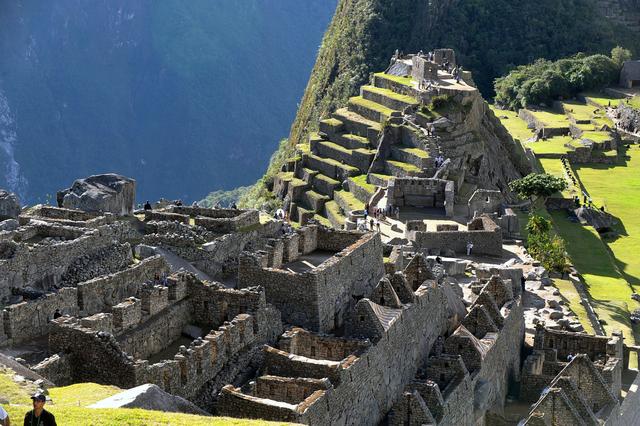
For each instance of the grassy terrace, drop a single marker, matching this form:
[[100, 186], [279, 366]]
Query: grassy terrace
[[514, 124], [352, 202], [551, 119], [598, 137], [578, 110], [404, 166], [370, 105], [553, 166], [553, 146], [361, 181], [601, 99], [69, 405], [407, 81], [420, 153], [350, 115], [391, 94]]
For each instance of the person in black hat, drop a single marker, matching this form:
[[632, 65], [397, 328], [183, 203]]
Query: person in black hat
[[39, 416]]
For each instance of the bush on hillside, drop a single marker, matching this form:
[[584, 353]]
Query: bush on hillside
[[542, 245], [544, 81]]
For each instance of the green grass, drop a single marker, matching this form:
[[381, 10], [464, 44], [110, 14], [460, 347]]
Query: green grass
[[609, 292], [373, 106], [420, 153], [69, 405], [598, 137], [578, 110], [602, 99], [323, 220], [618, 188], [391, 94], [361, 181], [552, 146], [334, 122], [553, 166], [634, 102], [407, 81], [569, 292], [551, 119], [516, 126], [405, 166], [347, 197]]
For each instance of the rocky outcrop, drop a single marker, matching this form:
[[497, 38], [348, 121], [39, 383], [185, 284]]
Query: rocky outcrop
[[110, 192], [9, 205], [149, 397], [601, 221], [628, 119]]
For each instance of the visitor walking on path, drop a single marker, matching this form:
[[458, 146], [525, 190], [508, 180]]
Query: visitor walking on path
[[4, 417], [469, 248], [39, 416], [371, 223], [378, 226]]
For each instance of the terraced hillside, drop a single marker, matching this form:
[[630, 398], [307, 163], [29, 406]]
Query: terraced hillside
[[385, 132]]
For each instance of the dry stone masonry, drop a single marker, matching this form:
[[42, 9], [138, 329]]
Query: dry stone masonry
[[419, 320]]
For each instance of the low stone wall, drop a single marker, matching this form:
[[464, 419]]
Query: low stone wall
[[421, 192], [487, 240], [220, 221]]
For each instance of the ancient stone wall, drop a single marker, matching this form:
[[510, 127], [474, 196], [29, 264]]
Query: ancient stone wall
[[365, 385], [318, 299], [486, 240], [420, 192], [99, 294]]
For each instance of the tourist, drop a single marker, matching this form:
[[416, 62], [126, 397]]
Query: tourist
[[4, 417], [523, 281], [194, 204], [378, 226], [147, 205], [432, 130], [570, 357], [39, 416], [179, 203], [234, 206], [439, 260], [469, 248], [397, 213], [57, 314], [371, 223]]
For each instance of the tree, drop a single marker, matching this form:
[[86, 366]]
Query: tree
[[549, 249], [538, 185], [620, 55]]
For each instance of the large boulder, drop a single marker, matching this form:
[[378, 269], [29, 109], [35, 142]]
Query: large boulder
[[110, 192], [149, 397], [9, 205], [600, 220]]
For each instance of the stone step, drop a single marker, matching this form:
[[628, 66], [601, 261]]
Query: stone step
[[368, 109], [360, 188], [331, 126], [330, 167], [314, 201], [387, 98], [398, 84], [334, 214], [401, 169], [359, 158], [351, 141], [379, 179], [358, 125], [324, 185], [347, 201], [416, 156]]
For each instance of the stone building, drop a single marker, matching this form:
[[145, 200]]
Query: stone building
[[630, 75]]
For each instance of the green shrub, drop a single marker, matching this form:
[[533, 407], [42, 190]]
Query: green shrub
[[549, 249], [538, 185]]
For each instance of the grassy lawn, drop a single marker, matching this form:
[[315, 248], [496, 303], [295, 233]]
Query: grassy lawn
[[601, 99], [361, 181], [618, 189], [553, 166], [609, 292], [69, 404], [569, 292], [370, 105], [578, 110], [597, 136]]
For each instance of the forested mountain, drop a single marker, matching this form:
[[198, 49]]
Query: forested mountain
[[184, 96]]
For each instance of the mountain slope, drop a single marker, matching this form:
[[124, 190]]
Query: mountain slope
[[186, 97], [491, 36]]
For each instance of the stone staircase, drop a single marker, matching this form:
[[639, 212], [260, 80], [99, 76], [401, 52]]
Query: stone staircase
[[332, 177]]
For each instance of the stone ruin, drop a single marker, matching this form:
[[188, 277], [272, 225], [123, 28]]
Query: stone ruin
[[246, 317]]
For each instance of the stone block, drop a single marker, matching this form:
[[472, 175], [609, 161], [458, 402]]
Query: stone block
[[127, 314]]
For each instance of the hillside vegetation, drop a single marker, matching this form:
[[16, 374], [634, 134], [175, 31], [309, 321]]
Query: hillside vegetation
[[490, 36]]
